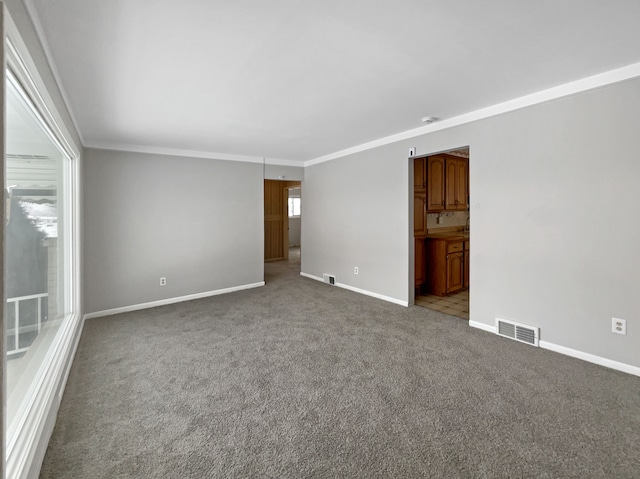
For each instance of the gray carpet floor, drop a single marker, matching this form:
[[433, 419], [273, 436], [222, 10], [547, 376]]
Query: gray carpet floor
[[302, 379]]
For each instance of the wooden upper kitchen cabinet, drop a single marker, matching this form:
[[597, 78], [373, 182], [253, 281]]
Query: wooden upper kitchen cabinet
[[456, 186], [419, 196], [420, 174], [435, 183], [419, 214]]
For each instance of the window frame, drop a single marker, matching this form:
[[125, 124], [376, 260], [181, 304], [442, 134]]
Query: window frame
[[26, 440], [291, 206]]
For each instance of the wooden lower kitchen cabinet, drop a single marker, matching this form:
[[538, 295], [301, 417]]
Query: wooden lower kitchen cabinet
[[420, 276], [445, 265], [466, 264]]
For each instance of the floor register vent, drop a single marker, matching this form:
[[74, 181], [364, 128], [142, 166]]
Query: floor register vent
[[329, 278], [518, 331]]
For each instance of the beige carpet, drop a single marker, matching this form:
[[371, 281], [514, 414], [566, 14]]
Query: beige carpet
[[302, 379]]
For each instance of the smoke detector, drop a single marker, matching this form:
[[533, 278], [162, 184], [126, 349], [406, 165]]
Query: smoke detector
[[428, 119]]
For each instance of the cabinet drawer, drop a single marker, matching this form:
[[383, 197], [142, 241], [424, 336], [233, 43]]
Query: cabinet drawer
[[455, 247]]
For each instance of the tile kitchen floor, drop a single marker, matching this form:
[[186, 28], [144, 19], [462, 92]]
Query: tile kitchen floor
[[455, 304]]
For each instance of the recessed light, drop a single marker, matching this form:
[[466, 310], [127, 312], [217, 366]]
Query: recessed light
[[429, 119]]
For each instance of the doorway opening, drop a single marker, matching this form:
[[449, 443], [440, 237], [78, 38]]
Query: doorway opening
[[282, 223], [442, 233]]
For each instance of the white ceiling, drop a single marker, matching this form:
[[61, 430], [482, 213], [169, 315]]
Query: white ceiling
[[296, 80]]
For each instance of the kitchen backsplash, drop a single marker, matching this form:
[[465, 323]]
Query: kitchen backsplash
[[453, 218]]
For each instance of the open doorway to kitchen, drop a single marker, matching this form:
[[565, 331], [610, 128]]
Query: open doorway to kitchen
[[442, 233]]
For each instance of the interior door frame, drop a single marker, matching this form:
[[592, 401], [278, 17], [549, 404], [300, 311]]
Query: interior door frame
[[285, 222], [286, 185], [412, 291]]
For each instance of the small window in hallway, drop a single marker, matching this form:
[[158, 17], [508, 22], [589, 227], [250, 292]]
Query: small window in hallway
[[294, 207]]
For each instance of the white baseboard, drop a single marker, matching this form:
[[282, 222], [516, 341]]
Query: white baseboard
[[164, 302], [574, 353], [310, 276], [361, 291], [485, 327], [592, 358]]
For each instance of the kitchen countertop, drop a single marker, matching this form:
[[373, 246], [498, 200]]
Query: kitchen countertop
[[450, 236]]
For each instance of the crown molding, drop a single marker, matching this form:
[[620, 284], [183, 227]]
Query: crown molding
[[158, 150], [589, 83], [280, 162]]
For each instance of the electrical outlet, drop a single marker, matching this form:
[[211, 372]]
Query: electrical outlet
[[618, 326], [355, 270], [163, 281]]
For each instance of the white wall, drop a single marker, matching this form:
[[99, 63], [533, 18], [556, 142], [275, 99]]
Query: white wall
[[290, 173], [197, 222], [355, 213], [294, 231], [554, 218]]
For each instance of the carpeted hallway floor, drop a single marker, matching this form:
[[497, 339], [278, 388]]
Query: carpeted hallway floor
[[302, 379]]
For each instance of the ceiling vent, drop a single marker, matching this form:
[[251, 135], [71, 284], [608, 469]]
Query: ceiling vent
[[518, 331], [329, 278]]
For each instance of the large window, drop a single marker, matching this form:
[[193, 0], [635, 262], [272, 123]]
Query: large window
[[40, 263]]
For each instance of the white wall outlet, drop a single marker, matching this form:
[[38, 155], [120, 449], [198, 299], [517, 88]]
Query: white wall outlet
[[355, 270], [618, 326], [412, 151], [163, 281]]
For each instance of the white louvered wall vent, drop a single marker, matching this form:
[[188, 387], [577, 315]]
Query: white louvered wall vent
[[329, 278], [518, 331]]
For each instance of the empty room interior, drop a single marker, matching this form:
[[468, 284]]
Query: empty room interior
[[328, 239]]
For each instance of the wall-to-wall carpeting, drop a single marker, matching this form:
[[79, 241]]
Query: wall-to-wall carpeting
[[302, 379]]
